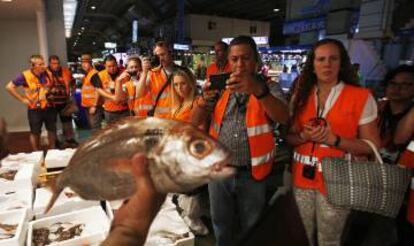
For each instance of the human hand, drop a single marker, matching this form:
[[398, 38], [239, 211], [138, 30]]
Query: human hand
[[244, 82], [318, 133], [124, 76], [146, 65], [142, 207], [209, 94], [26, 101], [92, 110]]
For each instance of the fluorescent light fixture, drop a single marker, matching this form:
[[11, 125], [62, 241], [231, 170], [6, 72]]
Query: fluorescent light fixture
[[93, 7], [276, 10], [69, 11], [6, 1]]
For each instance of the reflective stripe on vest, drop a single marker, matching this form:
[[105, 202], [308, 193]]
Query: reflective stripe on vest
[[109, 105], [88, 91], [260, 136], [344, 117], [162, 110]]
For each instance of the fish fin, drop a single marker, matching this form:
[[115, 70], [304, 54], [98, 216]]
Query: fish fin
[[55, 194]]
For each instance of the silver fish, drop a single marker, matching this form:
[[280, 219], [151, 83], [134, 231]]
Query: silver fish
[[181, 158]]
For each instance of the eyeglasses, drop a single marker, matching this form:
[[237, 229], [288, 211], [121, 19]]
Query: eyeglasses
[[402, 86]]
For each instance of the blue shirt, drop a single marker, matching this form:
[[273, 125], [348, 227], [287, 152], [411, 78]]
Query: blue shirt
[[20, 80]]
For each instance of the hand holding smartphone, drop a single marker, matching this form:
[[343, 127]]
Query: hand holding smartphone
[[218, 81]]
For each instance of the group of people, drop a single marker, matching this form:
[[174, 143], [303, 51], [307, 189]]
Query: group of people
[[328, 115], [47, 94]]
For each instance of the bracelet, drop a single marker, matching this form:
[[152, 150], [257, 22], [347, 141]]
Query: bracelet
[[337, 141]]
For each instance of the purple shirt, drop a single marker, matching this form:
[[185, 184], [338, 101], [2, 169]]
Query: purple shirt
[[21, 81]]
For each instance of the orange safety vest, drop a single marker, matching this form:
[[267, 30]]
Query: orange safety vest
[[407, 159], [183, 115], [343, 118], [213, 69], [129, 88], [158, 79], [109, 85], [62, 84], [35, 91], [259, 132], [88, 91]]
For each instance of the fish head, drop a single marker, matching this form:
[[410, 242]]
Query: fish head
[[189, 158]]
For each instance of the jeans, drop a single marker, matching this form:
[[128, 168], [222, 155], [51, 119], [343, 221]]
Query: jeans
[[236, 204], [319, 215]]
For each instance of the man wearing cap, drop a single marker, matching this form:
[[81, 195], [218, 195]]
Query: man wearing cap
[[90, 97], [37, 85]]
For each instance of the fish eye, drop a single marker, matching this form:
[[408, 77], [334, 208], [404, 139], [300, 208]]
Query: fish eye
[[200, 148]]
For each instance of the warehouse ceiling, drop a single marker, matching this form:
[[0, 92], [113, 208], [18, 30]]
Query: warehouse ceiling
[[99, 21]]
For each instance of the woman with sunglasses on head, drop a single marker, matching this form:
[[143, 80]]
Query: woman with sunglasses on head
[[330, 114], [183, 96]]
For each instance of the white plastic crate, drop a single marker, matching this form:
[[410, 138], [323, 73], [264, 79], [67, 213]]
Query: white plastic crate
[[16, 200], [95, 231], [20, 217], [63, 204], [58, 158], [23, 180]]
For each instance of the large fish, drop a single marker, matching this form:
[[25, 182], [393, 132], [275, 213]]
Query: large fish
[[181, 158]]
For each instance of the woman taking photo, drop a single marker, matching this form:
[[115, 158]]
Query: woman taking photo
[[330, 116]]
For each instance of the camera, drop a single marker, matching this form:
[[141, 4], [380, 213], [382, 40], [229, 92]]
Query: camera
[[155, 61], [309, 171], [132, 73], [218, 81]]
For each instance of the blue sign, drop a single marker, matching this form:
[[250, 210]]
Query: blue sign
[[316, 9], [308, 25]]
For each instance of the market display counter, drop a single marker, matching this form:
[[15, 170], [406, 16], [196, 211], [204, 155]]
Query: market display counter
[[72, 221]]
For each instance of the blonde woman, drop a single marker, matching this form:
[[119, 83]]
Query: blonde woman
[[183, 94]]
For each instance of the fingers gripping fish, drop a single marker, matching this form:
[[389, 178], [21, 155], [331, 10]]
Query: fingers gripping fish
[[181, 158]]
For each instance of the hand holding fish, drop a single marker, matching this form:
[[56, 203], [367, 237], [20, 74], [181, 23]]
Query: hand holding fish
[[138, 213], [181, 158]]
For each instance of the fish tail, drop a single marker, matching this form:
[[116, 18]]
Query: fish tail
[[56, 190]]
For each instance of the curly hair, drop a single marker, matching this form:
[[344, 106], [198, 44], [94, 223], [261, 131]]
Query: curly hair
[[308, 79]]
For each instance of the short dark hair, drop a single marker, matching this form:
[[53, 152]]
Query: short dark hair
[[247, 40], [400, 69], [224, 44], [53, 57], [162, 43], [109, 58]]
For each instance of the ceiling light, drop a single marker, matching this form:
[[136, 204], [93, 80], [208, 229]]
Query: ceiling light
[[83, 28], [93, 7], [276, 10], [79, 33], [69, 11], [6, 1], [93, 43]]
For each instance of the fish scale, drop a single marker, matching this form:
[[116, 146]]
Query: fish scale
[[181, 158]]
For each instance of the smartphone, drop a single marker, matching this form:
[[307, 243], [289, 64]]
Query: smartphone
[[218, 81]]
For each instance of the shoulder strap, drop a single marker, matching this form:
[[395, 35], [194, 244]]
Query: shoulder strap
[[152, 111]]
